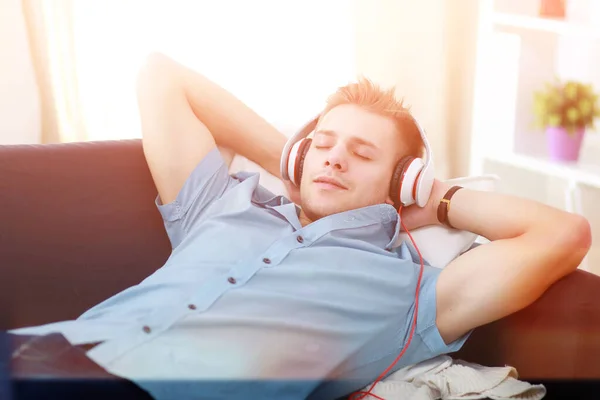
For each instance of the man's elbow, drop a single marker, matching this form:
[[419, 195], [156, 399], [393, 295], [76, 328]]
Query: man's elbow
[[582, 237], [156, 71], [576, 240], [563, 246]]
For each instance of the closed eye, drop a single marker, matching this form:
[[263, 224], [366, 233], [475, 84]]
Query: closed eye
[[362, 157], [362, 154]]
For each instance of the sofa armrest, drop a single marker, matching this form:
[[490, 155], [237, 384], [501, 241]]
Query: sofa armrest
[[557, 337], [79, 224]]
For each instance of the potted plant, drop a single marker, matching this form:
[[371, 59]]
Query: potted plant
[[565, 110]]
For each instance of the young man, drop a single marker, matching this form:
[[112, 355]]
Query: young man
[[264, 299]]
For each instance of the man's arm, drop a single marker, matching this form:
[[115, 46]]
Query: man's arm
[[184, 116], [532, 246]]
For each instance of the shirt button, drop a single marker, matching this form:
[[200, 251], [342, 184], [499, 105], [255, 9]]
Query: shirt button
[[192, 306], [231, 280], [266, 261], [147, 329], [300, 239]]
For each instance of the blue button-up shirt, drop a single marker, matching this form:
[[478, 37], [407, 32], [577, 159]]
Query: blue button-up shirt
[[252, 305]]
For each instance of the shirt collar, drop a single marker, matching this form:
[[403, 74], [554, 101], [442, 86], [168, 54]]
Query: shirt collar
[[377, 224], [281, 204]]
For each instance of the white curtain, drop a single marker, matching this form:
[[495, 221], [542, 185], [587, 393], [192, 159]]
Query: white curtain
[[281, 57]]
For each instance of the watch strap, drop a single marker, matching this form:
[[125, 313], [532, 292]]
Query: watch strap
[[444, 206]]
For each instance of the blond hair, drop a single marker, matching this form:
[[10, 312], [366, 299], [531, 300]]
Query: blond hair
[[372, 97]]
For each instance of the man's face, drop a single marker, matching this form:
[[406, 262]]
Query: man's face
[[350, 162]]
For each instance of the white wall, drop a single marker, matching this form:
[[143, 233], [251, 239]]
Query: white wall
[[276, 56], [427, 50], [414, 45], [460, 52], [281, 58], [399, 42], [20, 120]]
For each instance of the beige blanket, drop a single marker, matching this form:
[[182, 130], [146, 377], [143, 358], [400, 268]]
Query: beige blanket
[[445, 378]]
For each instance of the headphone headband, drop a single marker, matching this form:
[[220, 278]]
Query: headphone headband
[[428, 155], [422, 184]]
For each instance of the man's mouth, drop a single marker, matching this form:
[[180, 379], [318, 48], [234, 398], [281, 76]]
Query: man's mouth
[[326, 182]]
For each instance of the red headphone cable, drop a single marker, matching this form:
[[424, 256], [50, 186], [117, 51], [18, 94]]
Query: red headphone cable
[[363, 394]]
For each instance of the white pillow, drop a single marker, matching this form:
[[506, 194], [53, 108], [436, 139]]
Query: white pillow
[[440, 245], [268, 181]]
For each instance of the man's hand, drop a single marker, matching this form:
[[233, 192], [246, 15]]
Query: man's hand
[[415, 217]]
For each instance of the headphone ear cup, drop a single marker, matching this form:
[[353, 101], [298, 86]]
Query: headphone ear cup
[[408, 185], [397, 176], [406, 177], [298, 161], [287, 160], [424, 185]]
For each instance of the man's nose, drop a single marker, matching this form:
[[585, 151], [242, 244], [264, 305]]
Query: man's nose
[[336, 160]]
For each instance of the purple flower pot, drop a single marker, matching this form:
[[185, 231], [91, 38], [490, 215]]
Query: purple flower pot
[[563, 146]]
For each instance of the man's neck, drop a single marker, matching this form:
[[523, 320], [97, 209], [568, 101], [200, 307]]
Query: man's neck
[[304, 220]]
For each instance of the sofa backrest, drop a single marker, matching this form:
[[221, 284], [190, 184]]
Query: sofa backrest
[[78, 224]]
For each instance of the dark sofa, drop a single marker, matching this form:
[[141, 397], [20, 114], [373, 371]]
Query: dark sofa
[[79, 224]]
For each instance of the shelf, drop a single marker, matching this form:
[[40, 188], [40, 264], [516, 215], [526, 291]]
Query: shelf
[[588, 174], [546, 25]]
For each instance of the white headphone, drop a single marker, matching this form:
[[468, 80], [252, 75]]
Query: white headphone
[[412, 179]]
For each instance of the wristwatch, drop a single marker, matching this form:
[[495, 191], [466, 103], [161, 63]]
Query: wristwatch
[[444, 206]]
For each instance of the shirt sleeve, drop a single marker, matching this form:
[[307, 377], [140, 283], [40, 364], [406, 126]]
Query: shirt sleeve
[[426, 327], [208, 181]]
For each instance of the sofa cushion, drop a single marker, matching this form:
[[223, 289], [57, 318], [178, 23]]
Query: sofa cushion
[[79, 224]]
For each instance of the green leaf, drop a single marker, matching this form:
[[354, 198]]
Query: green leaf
[[585, 107], [554, 120], [572, 115], [571, 91], [568, 104]]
